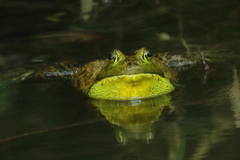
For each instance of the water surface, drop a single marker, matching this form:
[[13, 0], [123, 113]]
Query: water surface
[[50, 119]]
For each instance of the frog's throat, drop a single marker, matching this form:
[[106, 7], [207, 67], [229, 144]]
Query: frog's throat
[[130, 87]]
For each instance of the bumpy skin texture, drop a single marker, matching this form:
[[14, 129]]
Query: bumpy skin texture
[[168, 72], [91, 75], [87, 75], [63, 69]]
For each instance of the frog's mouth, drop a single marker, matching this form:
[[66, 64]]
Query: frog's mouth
[[130, 87]]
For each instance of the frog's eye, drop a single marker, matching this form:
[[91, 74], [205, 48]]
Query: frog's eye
[[114, 57], [111, 56], [147, 54]]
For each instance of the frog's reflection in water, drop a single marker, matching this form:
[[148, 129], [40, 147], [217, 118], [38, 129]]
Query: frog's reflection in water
[[134, 119]]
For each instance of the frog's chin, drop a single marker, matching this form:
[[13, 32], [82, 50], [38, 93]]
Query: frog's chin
[[130, 87]]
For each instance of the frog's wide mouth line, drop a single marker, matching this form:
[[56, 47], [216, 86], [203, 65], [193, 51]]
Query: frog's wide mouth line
[[130, 87], [131, 76]]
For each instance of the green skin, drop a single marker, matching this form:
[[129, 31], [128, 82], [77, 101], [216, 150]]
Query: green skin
[[127, 65], [118, 64]]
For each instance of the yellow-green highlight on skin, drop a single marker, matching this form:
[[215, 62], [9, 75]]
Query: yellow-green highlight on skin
[[130, 87]]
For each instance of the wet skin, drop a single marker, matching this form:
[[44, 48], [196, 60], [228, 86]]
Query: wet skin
[[122, 77]]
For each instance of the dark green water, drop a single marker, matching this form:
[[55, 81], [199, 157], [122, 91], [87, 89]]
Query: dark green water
[[49, 119]]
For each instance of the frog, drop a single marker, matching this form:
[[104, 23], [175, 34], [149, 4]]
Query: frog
[[122, 77]]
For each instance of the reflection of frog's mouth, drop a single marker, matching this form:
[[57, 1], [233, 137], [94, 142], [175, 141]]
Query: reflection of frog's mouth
[[129, 87], [134, 118]]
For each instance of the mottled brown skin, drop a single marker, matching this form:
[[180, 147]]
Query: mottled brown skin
[[89, 73], [168, 72], [60, 70]]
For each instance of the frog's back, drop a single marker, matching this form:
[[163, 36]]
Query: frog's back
[[181, 62]]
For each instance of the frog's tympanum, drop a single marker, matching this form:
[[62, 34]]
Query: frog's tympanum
[[122, 77]]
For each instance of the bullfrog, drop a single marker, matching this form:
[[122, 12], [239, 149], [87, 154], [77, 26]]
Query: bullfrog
[[121, 77]]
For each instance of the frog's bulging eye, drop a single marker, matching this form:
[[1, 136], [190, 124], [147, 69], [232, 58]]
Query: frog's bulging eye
[[147, 54], [114, 57], [111, 56]]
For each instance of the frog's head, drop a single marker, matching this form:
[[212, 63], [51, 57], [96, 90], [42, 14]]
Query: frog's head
[[121, 65], [130, 77]]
